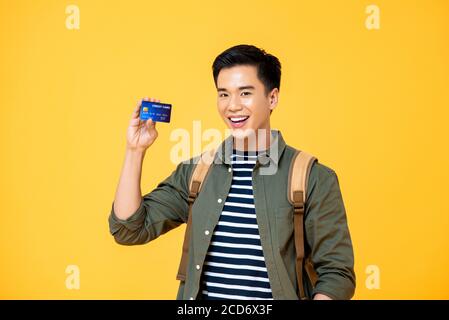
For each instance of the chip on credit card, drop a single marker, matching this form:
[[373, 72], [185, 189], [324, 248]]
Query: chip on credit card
[[157, 111]]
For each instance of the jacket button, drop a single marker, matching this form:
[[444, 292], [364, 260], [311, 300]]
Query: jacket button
[[198, 267], [206, 232], [263, 159], [219, 200], [230, 169]]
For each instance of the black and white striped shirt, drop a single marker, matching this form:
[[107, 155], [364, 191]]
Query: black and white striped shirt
[[234, 267]]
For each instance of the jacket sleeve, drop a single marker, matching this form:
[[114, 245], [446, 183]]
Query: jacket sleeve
[[327, 235], [164, 208]]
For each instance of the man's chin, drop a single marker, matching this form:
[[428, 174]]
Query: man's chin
[[241, 133]]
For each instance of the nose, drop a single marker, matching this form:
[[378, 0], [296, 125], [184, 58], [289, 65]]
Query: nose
[[234, 104]]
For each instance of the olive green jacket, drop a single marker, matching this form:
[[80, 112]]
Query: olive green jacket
[[326, 230]]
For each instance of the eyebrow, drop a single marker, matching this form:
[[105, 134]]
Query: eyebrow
[[240, 88]]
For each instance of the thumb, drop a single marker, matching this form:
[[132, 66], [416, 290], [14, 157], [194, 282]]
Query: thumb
[[150, 124]]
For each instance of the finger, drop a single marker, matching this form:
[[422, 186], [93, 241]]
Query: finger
[[134, 122], [136, 111], [145, 99], [138, 104]]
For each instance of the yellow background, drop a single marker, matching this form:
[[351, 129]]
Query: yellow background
[[371, 104]]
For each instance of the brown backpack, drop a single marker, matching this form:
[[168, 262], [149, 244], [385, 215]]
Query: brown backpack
[[298, 177]]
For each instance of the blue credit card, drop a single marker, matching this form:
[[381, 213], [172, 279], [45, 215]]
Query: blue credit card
[[158, 112]]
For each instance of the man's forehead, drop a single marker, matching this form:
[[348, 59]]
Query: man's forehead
[[238, 76]]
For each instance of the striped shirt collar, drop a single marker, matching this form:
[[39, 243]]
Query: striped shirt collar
[[273, 153]]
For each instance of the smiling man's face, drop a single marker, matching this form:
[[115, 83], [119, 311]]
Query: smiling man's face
[[242, 100]]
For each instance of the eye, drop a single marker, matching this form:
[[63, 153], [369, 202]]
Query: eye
[[246, 93], [222, 95]]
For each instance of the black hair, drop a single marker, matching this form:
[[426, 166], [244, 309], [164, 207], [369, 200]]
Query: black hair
[[268, 66]]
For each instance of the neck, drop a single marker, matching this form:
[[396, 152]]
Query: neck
[[260, 140]]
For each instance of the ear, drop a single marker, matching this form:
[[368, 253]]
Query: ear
[[274, 98]]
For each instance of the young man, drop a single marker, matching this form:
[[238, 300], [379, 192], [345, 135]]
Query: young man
[[241, 244]]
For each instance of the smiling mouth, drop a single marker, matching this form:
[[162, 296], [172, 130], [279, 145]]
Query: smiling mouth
[[238, 119]]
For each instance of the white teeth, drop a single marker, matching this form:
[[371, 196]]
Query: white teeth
[[238, 119]]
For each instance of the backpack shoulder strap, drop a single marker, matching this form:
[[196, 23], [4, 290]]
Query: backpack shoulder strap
[[297, 191], [196, 181]]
